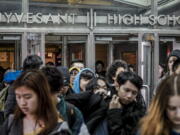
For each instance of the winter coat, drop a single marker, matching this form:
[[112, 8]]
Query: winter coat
[[10, 102], [124, 121], [11, 98], [70, 91], [93, 109], [15, 127]]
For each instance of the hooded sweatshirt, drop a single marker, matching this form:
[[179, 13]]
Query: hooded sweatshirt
[[76, 84]]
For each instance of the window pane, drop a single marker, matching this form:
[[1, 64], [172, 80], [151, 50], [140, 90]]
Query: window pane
[[11, 6]]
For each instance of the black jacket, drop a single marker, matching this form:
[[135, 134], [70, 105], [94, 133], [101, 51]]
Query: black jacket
[[10, 102], [92, 107], [124, 121]]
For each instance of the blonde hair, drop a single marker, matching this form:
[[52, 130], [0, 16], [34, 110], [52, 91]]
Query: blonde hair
[[156, 121]]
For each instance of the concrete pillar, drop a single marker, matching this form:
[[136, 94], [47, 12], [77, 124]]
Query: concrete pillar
[[90, 51]]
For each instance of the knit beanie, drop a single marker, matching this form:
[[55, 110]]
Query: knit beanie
[[175, 53]]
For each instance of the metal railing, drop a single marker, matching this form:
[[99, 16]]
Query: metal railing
[[145, 91]]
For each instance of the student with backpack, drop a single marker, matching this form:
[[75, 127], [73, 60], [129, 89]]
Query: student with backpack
[[8, 79], [31, 62], [69, 112], [36, 113]]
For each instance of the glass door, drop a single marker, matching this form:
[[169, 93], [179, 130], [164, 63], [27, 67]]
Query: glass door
[[146, 70], [10, 51], [63, 49]]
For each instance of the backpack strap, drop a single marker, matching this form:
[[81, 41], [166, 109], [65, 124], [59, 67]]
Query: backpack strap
[[71, 114], [3, 97]]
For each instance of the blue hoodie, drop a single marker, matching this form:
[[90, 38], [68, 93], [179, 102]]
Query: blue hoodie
[[76, 86]]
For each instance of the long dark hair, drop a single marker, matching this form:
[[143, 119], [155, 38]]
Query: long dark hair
[[46, 110]]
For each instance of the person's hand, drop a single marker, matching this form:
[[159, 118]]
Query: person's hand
[[101, 92], [115, 103]]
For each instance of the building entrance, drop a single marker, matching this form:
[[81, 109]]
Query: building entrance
[[62, 49], [10, 51]]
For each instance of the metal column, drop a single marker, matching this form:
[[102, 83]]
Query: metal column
[[154, 6], [64, 51], [90, 51], [25, 6], [42, 47], [24, 51], [156, 58], [140, 36], [154, 11], [17, 55], [110, 53]]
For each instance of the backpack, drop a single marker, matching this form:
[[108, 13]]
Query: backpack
[[3, 97]]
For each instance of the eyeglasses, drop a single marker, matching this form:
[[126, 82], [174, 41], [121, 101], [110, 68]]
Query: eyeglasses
[[74, 73]]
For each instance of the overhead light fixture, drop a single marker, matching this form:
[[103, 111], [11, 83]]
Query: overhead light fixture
[[103, 38], [148, 37], [11, 38]]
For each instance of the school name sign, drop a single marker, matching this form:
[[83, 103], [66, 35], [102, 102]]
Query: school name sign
[[90, 19]]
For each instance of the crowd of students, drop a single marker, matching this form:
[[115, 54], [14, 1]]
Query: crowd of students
[[56, 100]]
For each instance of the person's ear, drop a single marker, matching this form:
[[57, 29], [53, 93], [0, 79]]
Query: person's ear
[[114, 78], [117, 87]]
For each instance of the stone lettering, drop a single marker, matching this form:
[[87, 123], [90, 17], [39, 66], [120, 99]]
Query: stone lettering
[[30, 18], [60, 19], [119, 19], [152, 20], [8, 16], [96, 19], [111, 19], [39, 18], [162, 20], [19, 17], [127, 19], [49, 19], [73, 18], [178, 20]]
